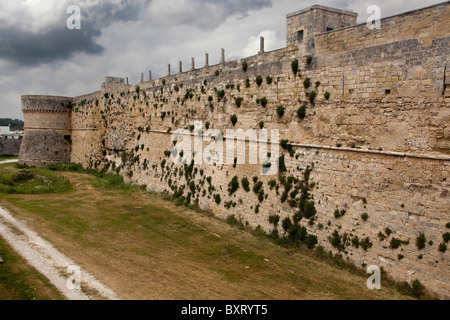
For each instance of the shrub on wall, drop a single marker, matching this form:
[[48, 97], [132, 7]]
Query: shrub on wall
[[245, 184], [281, 164], [263, 101], [259, 80], [233, 186], [280, 111], [220, 94], [269, 80], [244, 66], [294, 66], [238, 101], [307, 83], [301, 112], [327, 95], [421, 241], [234, 119], [312, 96]]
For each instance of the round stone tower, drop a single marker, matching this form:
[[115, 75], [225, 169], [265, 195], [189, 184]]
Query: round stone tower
[[47, 131]]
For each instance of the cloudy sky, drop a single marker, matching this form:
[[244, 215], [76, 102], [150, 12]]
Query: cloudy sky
[[40, 55]]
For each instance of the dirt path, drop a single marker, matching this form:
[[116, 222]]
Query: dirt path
[[62, 272], [9, 161]]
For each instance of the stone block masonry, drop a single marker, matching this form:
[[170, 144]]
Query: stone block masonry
[[10, 147], [375, 135]]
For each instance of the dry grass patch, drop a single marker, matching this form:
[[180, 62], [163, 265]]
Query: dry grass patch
[[144, 247]]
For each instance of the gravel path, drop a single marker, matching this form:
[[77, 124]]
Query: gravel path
[[62, 272]]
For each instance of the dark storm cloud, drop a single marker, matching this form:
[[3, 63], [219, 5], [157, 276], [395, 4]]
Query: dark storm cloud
[[32, 49], [56, 42]]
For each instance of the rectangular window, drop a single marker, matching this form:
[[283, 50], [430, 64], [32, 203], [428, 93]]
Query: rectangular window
[[299, 36]]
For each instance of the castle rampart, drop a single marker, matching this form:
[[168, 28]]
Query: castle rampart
[[378, 146]]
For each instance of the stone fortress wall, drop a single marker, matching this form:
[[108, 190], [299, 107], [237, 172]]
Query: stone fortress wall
[[378, 147]]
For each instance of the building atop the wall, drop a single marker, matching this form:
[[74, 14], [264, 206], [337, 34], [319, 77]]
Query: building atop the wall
[[6, 133], [10, 141]]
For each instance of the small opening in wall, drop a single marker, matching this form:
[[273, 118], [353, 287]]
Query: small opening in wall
[[299, 36], [328, 29], [387, 91]]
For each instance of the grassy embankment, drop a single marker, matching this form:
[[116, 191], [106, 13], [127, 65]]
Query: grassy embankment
[[145, 247]]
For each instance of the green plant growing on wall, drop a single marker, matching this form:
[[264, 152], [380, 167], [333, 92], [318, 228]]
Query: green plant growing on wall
[[366, 244], [269, 80], [309, 59], [261, 124], [245, 66], [245, 184], [301, 112], [294, 66], [336, 241], [281, 164], [238, 101], [257, 187], [233, 186], [327, 95], [220, 94], [272, 183], [312, 97], [396, 243], [217, 198], [388, 231], [234, 119], [365, 216], [259, 80], [421, 241], [263, 101], [307, 83], [247, 83], [287, 146], [317, 83], [280, 111], [137, 90], [261, 195]]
